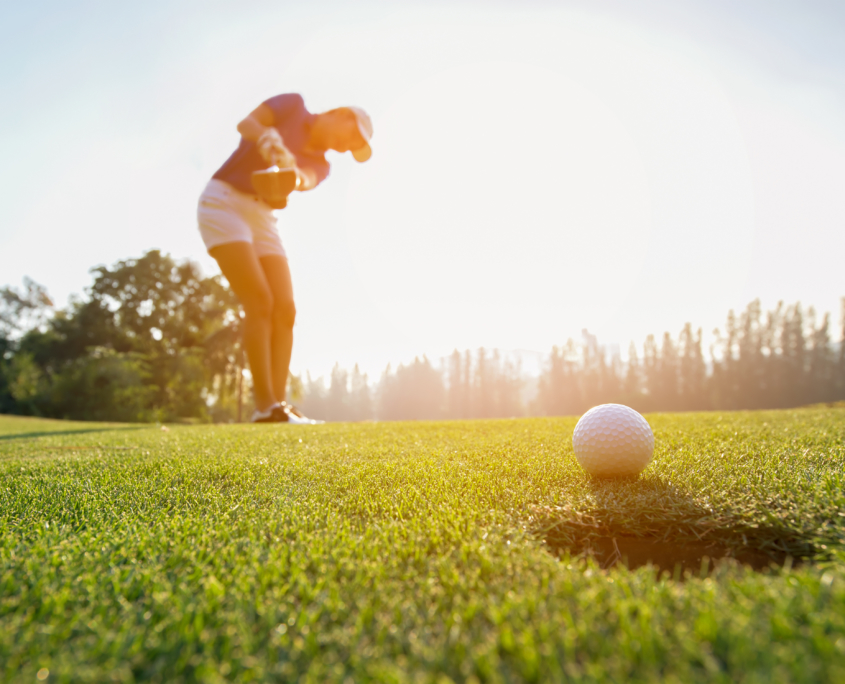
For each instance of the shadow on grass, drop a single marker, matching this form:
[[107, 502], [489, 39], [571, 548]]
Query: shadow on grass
[[677, 558], [652, 522], [52, 433]]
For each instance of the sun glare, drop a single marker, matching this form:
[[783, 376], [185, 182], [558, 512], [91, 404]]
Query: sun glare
[[535, 171], [496, 182], [589, 180]]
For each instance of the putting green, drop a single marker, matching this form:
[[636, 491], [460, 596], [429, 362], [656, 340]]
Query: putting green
[[421, 552]]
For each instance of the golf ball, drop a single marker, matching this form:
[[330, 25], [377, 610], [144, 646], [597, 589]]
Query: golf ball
[[612, 440]]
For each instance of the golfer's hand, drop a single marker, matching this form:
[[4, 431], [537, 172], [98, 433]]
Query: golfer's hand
[[273, 150], [305, 179]]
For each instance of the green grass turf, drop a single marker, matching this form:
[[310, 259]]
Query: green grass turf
[[418, 552]]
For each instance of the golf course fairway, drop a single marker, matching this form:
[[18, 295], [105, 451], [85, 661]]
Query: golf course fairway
[[465, 551]]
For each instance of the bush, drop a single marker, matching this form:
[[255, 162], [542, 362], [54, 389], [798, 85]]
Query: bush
[[105, 386]]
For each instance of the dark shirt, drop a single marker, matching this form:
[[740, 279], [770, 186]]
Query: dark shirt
[[293, 122]]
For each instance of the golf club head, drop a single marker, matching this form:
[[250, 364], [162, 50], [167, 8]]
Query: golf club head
[[273, 185]]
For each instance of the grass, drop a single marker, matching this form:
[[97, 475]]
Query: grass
[[417, 552]]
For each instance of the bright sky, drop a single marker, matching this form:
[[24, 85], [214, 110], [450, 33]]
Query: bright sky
[[538, 167]]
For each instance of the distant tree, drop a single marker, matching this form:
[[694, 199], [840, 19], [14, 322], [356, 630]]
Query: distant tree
[[470, 399], [794, 354], [549, 400], [749, 369], [692, 371], [24, 383], [20, 378], [723, 385], [613, 378], [840, 382], [458, 393], [482, 386], [632, 389], [413, 392], [509, 384], [314, 397], [23, 309], [295, 388], [591, 372], [667, 374], [360, 396], [496, 384], [772, 385], [105, 385], [152, 339], [224, 361], [559, 385], [651, 373], [821, 363], [337, 399], [159, 320]]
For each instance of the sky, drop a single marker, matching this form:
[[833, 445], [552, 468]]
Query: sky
[[538, 167]]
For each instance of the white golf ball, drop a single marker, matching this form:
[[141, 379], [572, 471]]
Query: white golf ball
[[612, 440]]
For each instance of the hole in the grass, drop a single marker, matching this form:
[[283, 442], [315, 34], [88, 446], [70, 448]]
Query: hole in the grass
[[629, 523], [673, 557]]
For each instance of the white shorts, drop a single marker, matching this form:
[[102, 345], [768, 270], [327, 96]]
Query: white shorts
[[228, 215]]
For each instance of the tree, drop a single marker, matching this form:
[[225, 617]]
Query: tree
[[667, 374], [314, 397], [822, 363], [337, 400], [794, 358], [20, 377], [559, 386], [724, 380], [482, 386], [105, 385], [458, 393], [360, 397], [413, 392], [632, 387], [772, 384], [692, 371], [151, 313], [23, 309], [508, 387], [651, 371], [840, 383], [749, 368]]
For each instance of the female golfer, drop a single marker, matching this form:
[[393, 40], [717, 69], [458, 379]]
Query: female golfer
[[239, 229]]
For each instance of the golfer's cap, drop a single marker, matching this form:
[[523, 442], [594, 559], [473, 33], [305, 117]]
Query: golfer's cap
[[365, 126]]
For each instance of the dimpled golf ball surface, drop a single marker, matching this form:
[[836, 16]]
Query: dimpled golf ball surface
[[612, 440]]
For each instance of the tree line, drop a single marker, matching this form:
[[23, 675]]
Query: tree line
[[152, 339], [782, 358]]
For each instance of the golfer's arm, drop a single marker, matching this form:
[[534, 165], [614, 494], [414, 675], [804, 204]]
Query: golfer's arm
[[259, 120]]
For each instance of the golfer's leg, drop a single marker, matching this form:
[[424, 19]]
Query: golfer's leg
[[284, 313], [242, 269]]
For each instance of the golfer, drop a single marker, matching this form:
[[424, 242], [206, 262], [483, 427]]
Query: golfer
[[239, 229]]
